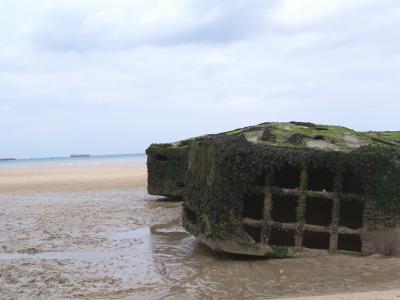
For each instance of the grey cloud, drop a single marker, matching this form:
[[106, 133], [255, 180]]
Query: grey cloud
[[67, 31], [71, 82]]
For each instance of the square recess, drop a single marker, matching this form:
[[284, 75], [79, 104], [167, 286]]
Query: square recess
[[254, 232], [352, 182], [280, 237], [316, 240], [320, 179], [253, 206], [318, 211], [349, 242], [287, 177], [284, 208], [351, 213]]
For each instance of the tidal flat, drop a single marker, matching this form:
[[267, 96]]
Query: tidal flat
[[95, 233]]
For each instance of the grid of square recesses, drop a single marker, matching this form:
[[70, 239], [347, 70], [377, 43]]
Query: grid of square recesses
[[301, 208]]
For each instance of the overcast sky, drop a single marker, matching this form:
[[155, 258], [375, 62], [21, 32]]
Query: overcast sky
[[102, 76]]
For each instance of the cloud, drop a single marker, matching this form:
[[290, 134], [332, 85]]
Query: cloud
[[303, 12], [113, 76], [122, 24]]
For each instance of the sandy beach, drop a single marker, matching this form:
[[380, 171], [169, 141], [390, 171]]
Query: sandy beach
[[93, 232], [64, 178]]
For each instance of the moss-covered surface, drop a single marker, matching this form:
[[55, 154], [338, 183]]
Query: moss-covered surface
[[298, 135], [391, 138], [217, 174], [166, 168], [308, 135]]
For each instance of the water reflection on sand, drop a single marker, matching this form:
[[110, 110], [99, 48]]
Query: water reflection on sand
[[153, 257]]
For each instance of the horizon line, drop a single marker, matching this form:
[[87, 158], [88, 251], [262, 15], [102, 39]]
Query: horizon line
[[82, 155]]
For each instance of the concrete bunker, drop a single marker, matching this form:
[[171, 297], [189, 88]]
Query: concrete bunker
[[243, 193], [166, 167], [305, 214]]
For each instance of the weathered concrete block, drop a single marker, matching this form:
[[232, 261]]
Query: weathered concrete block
[[286, 189], [166, 167]]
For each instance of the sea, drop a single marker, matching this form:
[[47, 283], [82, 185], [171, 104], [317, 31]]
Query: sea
[[74, 161]]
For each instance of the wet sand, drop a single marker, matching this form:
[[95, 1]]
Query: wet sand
[[94, 233], [375, 295]]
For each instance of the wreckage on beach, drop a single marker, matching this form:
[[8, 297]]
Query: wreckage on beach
[[285, 189]]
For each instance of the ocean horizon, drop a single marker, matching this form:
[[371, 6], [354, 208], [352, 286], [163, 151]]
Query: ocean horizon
[[74, 161]]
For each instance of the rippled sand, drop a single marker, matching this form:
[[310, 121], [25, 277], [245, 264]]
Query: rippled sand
[[60, 240]]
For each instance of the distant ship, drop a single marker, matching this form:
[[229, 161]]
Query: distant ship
[[7, 158], [79, 155]]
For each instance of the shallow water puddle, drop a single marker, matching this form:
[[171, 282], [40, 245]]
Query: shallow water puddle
[[142, 245]]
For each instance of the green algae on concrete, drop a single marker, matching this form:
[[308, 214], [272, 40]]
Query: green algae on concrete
[[166, 167], [391, 138], [284, 189]]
